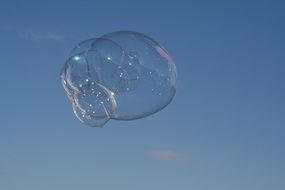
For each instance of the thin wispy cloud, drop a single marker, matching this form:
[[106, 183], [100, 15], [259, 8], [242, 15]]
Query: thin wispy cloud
[[167, 155], [42, 35]]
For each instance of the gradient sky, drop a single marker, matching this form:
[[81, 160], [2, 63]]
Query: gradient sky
[[224, 130]]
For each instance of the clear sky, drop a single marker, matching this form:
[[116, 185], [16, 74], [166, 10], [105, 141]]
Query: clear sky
[[224, 130]]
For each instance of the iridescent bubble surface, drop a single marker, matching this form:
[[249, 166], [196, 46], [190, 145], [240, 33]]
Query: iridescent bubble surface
[[121, 75]]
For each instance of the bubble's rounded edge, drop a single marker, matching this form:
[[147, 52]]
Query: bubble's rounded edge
[[86, 124], [112, 41], [63, 81], [72, 88], [148, 38], [79, 45], [124, 31]]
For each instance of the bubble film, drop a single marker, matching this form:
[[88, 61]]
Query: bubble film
[[121, 75]]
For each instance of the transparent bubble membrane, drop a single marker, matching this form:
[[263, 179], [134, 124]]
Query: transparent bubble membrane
[[122, 75]]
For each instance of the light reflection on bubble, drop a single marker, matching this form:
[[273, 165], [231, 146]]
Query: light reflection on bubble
[[121, 75]]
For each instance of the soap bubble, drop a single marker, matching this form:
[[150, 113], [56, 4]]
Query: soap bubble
[[121, 75]]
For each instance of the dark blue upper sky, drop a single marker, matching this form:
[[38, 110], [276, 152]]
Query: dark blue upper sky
[[224, 129]]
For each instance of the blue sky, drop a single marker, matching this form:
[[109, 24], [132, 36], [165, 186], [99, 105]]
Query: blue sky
[[224, 129]]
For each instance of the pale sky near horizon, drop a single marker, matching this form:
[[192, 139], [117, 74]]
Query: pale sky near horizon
[[224, 130]]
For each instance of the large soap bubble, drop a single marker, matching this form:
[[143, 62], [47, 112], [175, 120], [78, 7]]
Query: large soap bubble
[[121, 75]]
